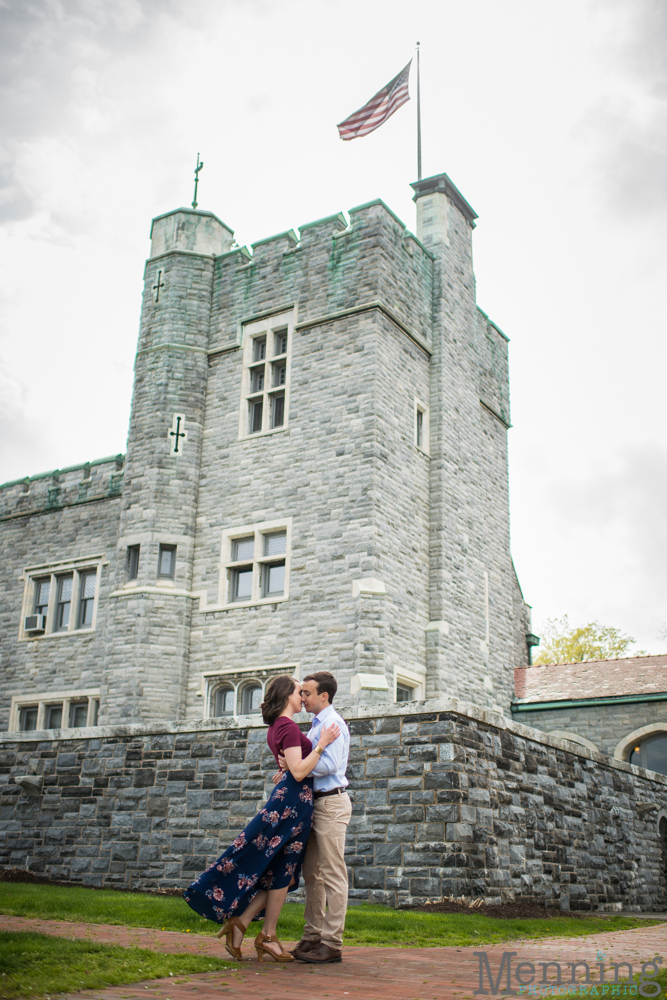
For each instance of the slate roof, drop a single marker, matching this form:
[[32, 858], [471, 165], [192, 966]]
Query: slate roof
[[592, 679]]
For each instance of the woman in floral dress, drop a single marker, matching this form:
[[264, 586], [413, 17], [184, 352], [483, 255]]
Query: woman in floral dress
[[258, 868]]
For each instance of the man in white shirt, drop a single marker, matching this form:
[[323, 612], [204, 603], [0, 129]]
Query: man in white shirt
[[324, 869]]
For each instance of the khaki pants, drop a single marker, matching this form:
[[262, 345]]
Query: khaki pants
[[325, 873]]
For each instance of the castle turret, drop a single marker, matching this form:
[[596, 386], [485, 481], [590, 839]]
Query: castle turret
[[146, 672], [472, 578]]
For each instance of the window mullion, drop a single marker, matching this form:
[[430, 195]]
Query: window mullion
[[74, 604], [257, 568], [53, 605]]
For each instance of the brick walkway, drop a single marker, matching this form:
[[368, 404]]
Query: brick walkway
[[365, 973]]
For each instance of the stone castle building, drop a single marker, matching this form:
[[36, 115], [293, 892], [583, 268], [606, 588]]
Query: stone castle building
[[315, 478], [617, 707]]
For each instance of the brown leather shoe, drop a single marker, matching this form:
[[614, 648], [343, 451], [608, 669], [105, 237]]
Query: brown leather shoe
[[322, 955], [303, 947]]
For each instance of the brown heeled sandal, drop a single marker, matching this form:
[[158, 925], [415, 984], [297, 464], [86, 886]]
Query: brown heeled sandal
[[284, 956], [227, 931]]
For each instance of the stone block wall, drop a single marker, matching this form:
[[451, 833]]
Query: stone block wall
[[447, 799], [383, 321], [45, 521], [605, 725]]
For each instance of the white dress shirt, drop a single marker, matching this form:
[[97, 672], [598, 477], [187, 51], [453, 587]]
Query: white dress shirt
[[329, 772]]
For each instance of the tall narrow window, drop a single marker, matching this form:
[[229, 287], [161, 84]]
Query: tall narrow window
[[279, 374], [42, 591], [273, 573], [243, 550], [87, 585], [38, 622], [278, 410], [265, 378], [54, 716], [133, 562], [78, 714], [64, 604], [251, 699], [256, 413], [280, 342], [28, 718], [422, 427], [166, 567], [224, 701]]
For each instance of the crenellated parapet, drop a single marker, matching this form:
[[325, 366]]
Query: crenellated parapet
[[101, 479], [329, 269]]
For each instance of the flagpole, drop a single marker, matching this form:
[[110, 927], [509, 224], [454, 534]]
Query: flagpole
[[419, 122]]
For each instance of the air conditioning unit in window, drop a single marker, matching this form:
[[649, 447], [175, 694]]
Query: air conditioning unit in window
[[34, 623]]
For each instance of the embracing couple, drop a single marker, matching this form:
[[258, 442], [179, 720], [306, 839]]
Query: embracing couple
[[302, 824]]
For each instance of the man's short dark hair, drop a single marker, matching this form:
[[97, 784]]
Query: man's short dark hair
[[325, 682]]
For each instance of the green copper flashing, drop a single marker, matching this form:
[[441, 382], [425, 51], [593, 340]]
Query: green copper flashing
[[190, 211], [338, 218], [373, 204], [539, 706], [118, 459], [441, 184], [289, 234]]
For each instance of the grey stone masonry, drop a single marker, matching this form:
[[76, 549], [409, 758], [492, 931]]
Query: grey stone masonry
[[447, 799], [378, 469], [66, 514], [609, 726]]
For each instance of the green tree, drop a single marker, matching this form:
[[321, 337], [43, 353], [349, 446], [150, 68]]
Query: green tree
[[564, 643]]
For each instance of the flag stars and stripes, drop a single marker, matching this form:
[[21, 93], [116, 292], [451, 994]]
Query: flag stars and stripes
[[379, 108]]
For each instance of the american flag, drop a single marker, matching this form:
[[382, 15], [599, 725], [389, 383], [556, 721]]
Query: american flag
[[379, 108]]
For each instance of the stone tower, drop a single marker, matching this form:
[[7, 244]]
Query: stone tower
[[476, 609], [149, 624]]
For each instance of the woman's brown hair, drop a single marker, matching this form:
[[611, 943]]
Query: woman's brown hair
[[275, 697]]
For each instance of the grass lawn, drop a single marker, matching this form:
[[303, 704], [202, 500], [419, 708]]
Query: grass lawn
[[36, 964], [365, 925]]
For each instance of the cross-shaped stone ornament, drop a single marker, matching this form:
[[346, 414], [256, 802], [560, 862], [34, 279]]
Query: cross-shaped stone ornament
[[157, 286], [177, 437]]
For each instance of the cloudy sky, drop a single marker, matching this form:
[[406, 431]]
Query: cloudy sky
[[550, 116]]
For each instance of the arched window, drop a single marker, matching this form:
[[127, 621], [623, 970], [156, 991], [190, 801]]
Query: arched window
[[651, 753], [251, 698], [224, 701]]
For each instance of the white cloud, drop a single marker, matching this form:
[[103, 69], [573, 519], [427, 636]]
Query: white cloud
[[549, 117]]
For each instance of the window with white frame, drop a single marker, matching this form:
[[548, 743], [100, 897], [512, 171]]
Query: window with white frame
[[404, 692], [166, 563], [251, 698], [267, 349], [422, 427], [256, 562], [409, 685], [56, 710], [61, 599]]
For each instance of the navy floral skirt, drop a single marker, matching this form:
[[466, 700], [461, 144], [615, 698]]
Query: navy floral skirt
[[267, 855]]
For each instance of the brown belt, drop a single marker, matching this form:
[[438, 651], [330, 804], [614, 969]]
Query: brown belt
[[334, 791]]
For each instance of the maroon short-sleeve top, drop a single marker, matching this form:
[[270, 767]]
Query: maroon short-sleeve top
[[285, 733]]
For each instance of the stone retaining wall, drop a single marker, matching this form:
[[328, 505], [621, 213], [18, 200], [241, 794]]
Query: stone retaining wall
[[447, 799]]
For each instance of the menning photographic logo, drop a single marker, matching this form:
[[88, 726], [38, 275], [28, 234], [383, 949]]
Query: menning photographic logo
[[524, 978]]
